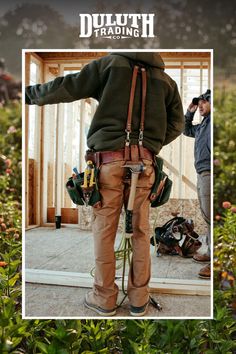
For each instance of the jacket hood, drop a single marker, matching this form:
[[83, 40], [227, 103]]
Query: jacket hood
[[150, 58]]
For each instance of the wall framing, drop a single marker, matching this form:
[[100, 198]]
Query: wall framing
[[56, 63]]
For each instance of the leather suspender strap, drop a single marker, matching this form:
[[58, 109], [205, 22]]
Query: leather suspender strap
[[141, 129], [130, 111], [131, 98], [144, 93]]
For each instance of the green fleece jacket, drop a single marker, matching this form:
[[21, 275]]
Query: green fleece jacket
[[108, 80]]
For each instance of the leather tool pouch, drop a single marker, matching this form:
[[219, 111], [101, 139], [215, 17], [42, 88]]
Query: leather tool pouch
[[83, 196], [162, 186], [73, 187]]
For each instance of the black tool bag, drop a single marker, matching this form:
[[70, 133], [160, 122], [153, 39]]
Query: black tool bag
[[84, 196], [162, 186], [73, 187], [176, 237]]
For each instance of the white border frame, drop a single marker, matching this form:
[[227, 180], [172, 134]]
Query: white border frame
[[24, 51]]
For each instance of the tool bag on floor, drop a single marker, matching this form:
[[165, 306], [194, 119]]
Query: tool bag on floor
[[83, 187], [176, 237]]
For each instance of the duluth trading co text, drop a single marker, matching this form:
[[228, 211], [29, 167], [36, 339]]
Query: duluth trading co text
[[117, 26]]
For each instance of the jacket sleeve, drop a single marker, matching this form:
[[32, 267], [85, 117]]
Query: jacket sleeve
[[69, 88], [189, 128], [175, 117]]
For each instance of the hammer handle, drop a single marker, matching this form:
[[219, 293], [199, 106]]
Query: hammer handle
[[134, 181]]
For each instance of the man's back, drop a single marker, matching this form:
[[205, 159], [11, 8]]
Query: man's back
[[108, 80], [163, 105]]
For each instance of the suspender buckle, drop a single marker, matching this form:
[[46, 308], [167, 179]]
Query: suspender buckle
[[140, 138], [127, 140]]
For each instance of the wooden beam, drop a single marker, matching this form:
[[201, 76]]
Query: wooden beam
[[59, 154], [184, 179], [89, 55], [189, 183], [30, 227], [83, 280], [35, 56], [68, 215], [82, 137]]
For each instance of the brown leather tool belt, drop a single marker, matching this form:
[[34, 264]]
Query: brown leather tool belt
[[103, 157]]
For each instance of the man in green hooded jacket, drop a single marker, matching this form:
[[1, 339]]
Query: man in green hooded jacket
[[108, 80]]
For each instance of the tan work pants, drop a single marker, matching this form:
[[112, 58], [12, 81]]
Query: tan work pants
[[114, 191]]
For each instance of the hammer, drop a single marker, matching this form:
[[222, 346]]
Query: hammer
[[136, 168]]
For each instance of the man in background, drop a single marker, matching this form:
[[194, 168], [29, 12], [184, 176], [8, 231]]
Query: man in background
[[202, 156]]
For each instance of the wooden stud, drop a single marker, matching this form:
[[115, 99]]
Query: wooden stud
[[35, 163], [59, 155], [160, 285]]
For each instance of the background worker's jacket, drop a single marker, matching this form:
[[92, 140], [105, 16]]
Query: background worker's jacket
[[202, 147], [108, 80]]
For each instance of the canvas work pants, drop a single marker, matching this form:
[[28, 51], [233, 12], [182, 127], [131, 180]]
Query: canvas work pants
[[204, 197], [114, 189]]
